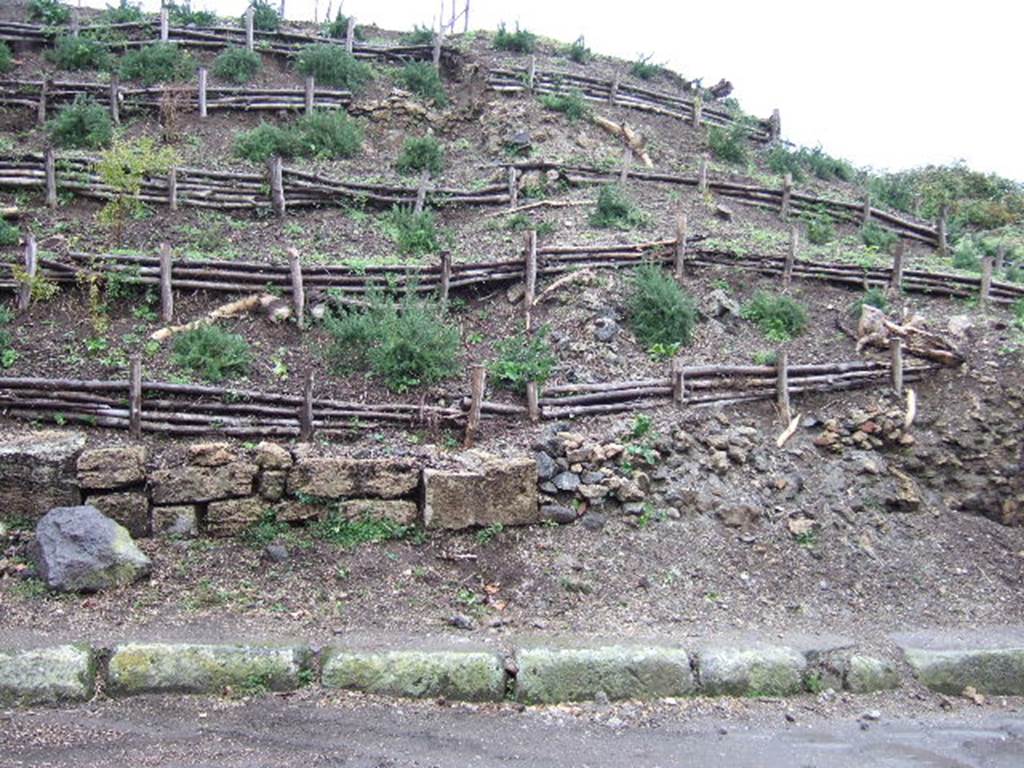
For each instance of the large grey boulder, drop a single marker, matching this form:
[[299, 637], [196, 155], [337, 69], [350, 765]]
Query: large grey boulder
[[78, 549]]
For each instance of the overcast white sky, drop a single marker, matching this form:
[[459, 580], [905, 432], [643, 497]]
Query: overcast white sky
[[885, 84]]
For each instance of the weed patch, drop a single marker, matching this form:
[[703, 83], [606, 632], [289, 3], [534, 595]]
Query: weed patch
[[572, 105], [421, 78], [521, 360], [780, 318], [615, 210], [421, 154], [519, 41]]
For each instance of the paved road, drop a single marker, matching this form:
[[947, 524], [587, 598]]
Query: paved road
[[281, 733]]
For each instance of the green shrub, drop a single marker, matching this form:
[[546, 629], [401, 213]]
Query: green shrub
[[578, 51], [182, 15], [967, 255], [659, 312], [826, 167], [414, 233], [780, 318], [329, 134], [339, 28], [729, 144], [616, 211], [239, 65], [157, 63], [123, 168], [521, 360], [877, 236], [873, 297], [50, 12], [83, 123], [572, 105], [644, 69], [419, 154], [332, 65], [122, 13], [419, 36], [519, 41], [1018, 312], [422, 79], [212, 353], [8, 355], [76, 53], [820, 229], [6, 62], [1014, 273], [9, 234], [264, 17], [406, 343], [265, 140], [782, 161]]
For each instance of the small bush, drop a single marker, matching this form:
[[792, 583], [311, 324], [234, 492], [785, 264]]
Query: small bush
[[339, 28], [329, 134], [122, 13], [782, 161], [123, 167], [9, 234], [157, 63], [6, 63], [876, 236], [419, 154], [616, 211], [332, 65], [77, 53], [873, 297], [826, 167], [660, 314], [212, 353], [1014, 273], [820, 229], [348, 533], [182, 15], [83, 123], [572, 105], [423, 80], [521, 360], [578, 51], [265, 140], [967, 255], [729, 144], [519, 41], [780, 318], [419, 36], [414, 234], [264, 17], [8, 355], [50, 12], [644, 69], [405, 343], [238, 65]]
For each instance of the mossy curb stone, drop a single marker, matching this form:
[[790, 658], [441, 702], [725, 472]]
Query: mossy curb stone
[[867, 674], [185, 668], [550, 676], [63, 673], [455, 675], [766, 671], [994, 671]]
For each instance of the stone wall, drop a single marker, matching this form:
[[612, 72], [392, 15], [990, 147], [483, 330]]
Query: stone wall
[[222, 488]]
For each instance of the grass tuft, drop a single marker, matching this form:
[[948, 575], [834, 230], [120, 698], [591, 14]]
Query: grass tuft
[[780, 318], [212, 353], [661, 315]]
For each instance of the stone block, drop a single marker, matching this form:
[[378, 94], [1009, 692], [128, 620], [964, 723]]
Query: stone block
[[396, 510], [232, 516], [188, 484], [339, 478], [757, 671], [496, 491], [272, 456], [181, 520], [37, 473], [272, 484], [54, 675], [129, 508], [106, 468]]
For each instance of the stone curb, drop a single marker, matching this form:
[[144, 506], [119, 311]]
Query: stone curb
[[529, 674]]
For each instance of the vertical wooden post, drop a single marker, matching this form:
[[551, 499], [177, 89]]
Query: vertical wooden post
[[306, 413], [679, 257], [532, 76], [678, 382], [202, 92], [50, 163], [942, 227], [41, 108], [310, 94], [896, 367], [1000, 264], [165, 25], [513, 186], [465, 19], [421, 192], [281, 11], [787, 194], [532, 406], [438, 40], [298, 291], [702, 178], [451, 24], [276, 172], [31, 266], [172, 189], [477, 385], [698, 109], [76, 21], [250, 33], [530, 278], [916, 206], [782, 386], [775, 126], [166, 287], [446, 276], [350, 35], [866, 214], [896, 281], [787, 269], [614, 93], [115, 98], [627, 161], [135, 397], [986, 280]]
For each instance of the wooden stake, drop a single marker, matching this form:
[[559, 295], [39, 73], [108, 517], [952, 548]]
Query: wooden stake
[[627, 161], [866, 215], [202, 92], [250, 33], [775, 126], [172, 189], [782, 386], [532, 78], [310, 94], [787, 194], [298, 292], [532, 408], [438, 40], [446, 276], [166, 288], [614, 93], [276, 172], [702, 178], [986, 280], [465, 19], [50, 164], [896, 280], [787, 270], [513, 186], [678, 382], [698, 108], [76, 22], [41, 108], [281, 12], [306, 411], [530, 273], [165, 25], [477, 384], [135, 397], [31, 265], [942, 226], [421, 192], [1000, 258], [115, 98], [896, 354], [350, 35], [679, 258]]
